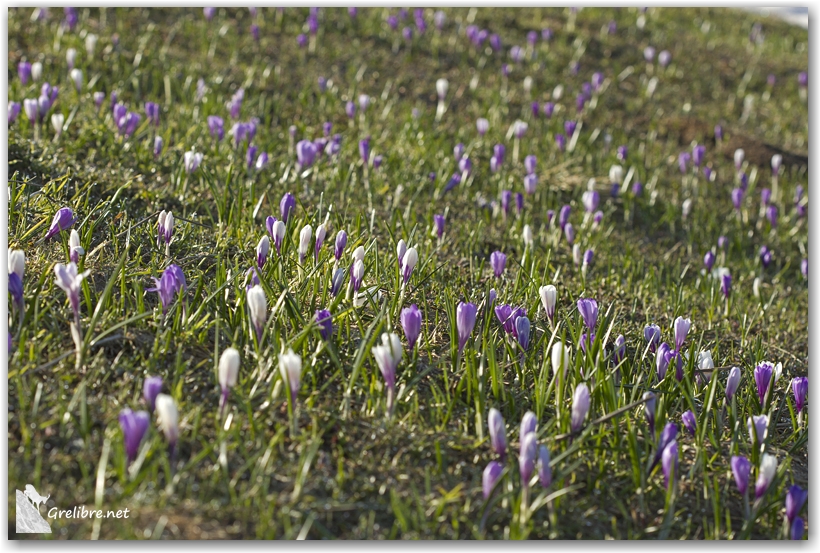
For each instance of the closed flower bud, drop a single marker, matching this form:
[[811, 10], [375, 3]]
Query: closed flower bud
[[498, 434]]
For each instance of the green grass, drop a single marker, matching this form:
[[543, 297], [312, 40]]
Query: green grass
[[348, 471]]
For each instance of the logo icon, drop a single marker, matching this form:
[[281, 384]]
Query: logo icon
[[28, 516]]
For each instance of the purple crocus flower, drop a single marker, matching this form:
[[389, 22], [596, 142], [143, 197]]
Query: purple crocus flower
[[133, 427], [364, 150], [732, 382], [286, 206], [63, 220], [804, 268], [580, 407], [209, 13], [650, 400], [158, 142], [454, 180], [498, 260], [337, 281], [709, 260], [216, 126], [522, 330], [325, 321], [339, 246], [410, 319], [498, 433], [71, 18], [482, 126], [439, 222], [305, 153], [590, 199], [670, 463], [795, 499], [490, 478], [765, 196], [506, 195], [681, 327], [250, 154], [800, 388], [765, 256], [252, 278], [652, 334], [741, 470], [527, 457], [621, 153], [465, 166], [763, 376], [569, 233], [588, 308], [683, 161], [662, 357], [150, 389], [561, 141], [519, 201], [803, 79], [170, 284], [465, 322], [771, 215], [458, 151], [668, 435], [796, 531], [737, 198], [152, 113], [726, 284], [569, 127], [698, 154], [548, 108], [14, 112], [689, 422], [620, 349]]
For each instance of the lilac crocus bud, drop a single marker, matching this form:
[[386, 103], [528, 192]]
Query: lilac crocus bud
[[490, 478], [305, 153], [209, 13], [590, 199], [192, 160], [800, 389], [17, 267], [74, 248], [739, 155], [357, 274], [652, 334], [14, 112], [24, 72], [258, 310], [350, 109], [150, 389], [482, 126], [408, 263], [669, 462], [410, 319], [290, 368], [325, 321], [668, 435], [563, 216], [506, 195], [337, 281], [649, 54], [620, 348], [795, 499], [522, 331], [771, 215], [63, 220], [768, 469], [569, 233], [664, 58], [580, 407], [529, 423], [168, 416], [662, 357], [171, 283], [737, 198], [544, 470], [278, 233], [388, 356], [527, 457], [439, 222], [530, 183], [530, 163], [796, 530], [158, 142], [498, 261], [341, 242], [321, 233], [588, 308], [576, 249], [32, 110], [758, 426], [681, 327], [726, 284], [732, 382], [549, 296], [465, 322], [228, 374], [498, 434], [741, 470], [262, 251], [133, 427], [650, 400], [286, 206], [216, 126], [709, 261], [763, 376], [689, 422]]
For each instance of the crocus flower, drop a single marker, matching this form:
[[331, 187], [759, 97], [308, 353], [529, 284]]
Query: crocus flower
[[771, 215], [228, 374], [569, 233], [763, 376], [709, 260], [544, 470], [491, 476], [388, 356], [498, 260], [482, 126], [689, 422], [737, 198], [527, 457], [796, 531], [662, 357], [70, 281], [325, 321], [32, 110], [620, 348], [262, 251], [290, 368], [63, 219], [17, 267], [192, 160], [337, 281], [732, 382], [410, 319], [768, 469], [364, 150], [24, 72], [549, 296], [341, 242], [216, 126], [507, 316], [498, 434], [522, 331], [305, 153], [668, 435], [305, 236], [681, 327], [621, 153], [588, 308], [529, 423], [258, 309], [530, 163], [133, 427], [286, 206], [357, 274], [506, 195], [168, 417], [795, 499], [652, 335], [350, 109], [14, 112], [580, 407], [465, 322], [569, 127], [741, 470], [800, 388], [669, 462], [74, 248], [649, 405], [408, 263], [439, 222], [560, 356], [758, 426], [150, 389]]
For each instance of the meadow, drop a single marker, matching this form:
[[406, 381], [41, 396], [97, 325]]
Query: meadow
[[409, 274]]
